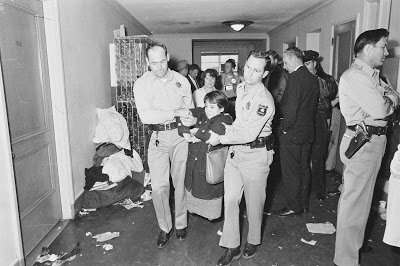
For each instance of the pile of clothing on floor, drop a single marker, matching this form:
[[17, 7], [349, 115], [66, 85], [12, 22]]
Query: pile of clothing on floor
[[109, 180]]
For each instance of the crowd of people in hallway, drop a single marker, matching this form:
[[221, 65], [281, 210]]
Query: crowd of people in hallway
[[274, 112]]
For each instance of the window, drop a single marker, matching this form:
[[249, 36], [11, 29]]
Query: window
[[216, 60]]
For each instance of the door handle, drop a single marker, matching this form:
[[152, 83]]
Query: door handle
[[13, 156]]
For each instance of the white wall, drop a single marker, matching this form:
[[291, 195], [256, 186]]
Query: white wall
[[86, 30], [336, 13], [394, 29], [180, 46], [333, 14]]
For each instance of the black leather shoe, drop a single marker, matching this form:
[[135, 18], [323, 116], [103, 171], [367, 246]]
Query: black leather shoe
[[181, 234], [249, 251], [163, 238], [284, 212], [229, 256], [320, 196]]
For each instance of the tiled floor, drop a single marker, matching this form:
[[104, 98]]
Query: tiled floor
[[281, 244]]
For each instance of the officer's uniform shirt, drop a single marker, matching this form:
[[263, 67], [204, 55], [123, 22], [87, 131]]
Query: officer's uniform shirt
[[361, 94], [156, 99], [254, 111]]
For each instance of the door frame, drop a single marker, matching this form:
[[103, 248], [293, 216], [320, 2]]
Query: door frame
[[357, 32], [61, 131], [59, 106]]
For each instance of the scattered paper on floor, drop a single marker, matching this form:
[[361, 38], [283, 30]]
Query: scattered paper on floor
[[88, 234], [321, 228], [108, 246], [42, 259], [146, 195], [311, 242], [89, 210], [53, 257], [82, 213], [128, 204], [106, 236]]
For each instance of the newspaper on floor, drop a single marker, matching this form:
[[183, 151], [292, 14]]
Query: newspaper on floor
[[146, 195], [129, 204], [311, 242], [106, 236], [108, 247], [321, 228]]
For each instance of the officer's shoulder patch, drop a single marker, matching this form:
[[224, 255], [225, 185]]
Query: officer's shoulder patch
[[262, 110]]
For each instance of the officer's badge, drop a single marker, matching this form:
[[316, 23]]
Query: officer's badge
[[233, 81], [248, 106], [262, 110]]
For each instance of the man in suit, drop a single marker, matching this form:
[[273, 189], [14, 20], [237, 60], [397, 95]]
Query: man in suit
[[299, 105], [182, 67], [327, 92], [194, 71]]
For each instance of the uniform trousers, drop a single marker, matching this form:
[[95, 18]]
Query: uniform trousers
[[295, 165], [318, 154], [247, 173], [354, 205], [165, 159]]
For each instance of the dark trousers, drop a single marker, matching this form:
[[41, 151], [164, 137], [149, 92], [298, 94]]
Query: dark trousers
[[318, 155], [295, 165]]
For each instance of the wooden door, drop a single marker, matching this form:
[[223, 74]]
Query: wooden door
[[28, 100], [343, 56]]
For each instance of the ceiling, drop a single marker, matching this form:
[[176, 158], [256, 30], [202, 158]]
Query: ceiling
[[205, 16]]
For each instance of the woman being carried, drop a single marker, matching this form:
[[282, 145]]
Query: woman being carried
[[202, 198]]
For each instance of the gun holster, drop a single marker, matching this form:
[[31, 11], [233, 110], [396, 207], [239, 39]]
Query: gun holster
[[360, 138]]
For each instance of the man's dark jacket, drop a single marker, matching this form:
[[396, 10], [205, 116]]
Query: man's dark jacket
[[192, 85], [299, 105]]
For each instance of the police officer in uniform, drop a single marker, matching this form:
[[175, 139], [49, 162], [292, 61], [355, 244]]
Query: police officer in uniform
[[161, 95], [363, 97], [249, 158]]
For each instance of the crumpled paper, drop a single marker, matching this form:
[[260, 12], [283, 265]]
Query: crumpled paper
[[146, 195], [321, 228], [106, 236], [311, 242]]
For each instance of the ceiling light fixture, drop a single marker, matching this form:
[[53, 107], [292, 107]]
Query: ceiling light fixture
[[237, 25]]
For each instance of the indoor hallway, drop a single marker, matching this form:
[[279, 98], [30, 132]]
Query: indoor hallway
[[281, 243]]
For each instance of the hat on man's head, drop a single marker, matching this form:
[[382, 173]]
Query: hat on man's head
[[310, 55], [181, 65]]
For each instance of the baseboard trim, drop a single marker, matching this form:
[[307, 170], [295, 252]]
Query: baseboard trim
[[46, 241]]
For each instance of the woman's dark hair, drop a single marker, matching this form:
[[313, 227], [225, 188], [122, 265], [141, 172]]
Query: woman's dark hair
[[213, 73], [232, 61], [369, 37], [218, 98]]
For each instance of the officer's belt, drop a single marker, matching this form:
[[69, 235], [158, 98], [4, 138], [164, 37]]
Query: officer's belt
[[260, 142], [372, 130], [163, 127]]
